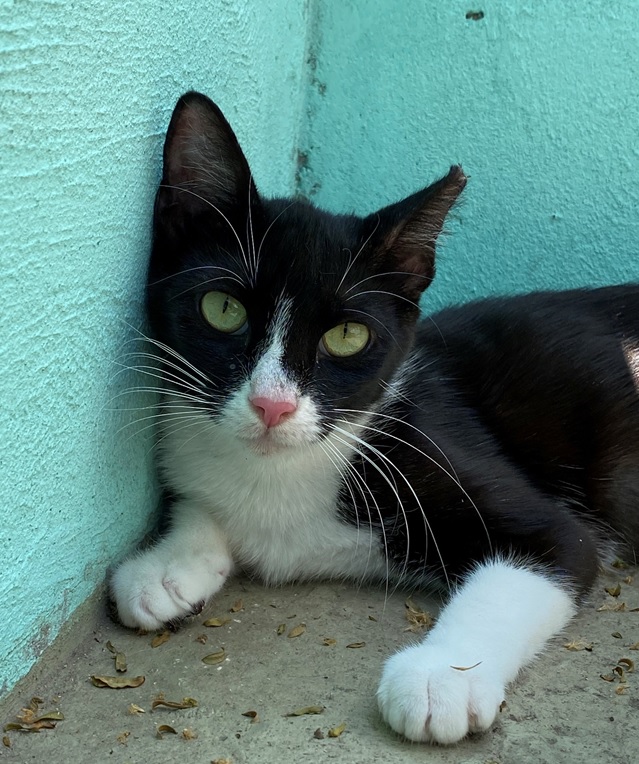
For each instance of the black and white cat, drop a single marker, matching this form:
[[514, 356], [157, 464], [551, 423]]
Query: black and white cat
[[313, 426]]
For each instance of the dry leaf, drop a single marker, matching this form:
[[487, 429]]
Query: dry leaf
[[221, 761], [307, 710], [634, 647], [615, 607], [297, 631], [329, 641], [621, 689], [336, 731], [237, 606], [466, 668], [372, 618], [578, 644], [355, 645], [418, 618], [214, 622], [318, 734], [6, 742], [613, 591], [217, 657], [135, 709], [185, 703], [160, 639], [117, 682], [616, 635], [165, 728], [607, 677], [628, 579], [619, 564], [620, 673], [628, 663], [281, 629], [252, 715], [189, 734], [202, 639], [123, 737]]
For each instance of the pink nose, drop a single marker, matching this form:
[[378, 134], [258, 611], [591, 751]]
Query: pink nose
[[272, 411]]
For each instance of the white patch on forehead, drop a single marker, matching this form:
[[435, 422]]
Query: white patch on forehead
[[632, 359], [269, 378]]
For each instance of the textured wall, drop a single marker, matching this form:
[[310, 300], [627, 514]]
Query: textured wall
[[86, 93], [538, 100]]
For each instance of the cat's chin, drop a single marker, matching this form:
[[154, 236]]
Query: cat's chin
[[266, 445]]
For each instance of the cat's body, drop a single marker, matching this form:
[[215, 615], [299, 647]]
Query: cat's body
[[312, 427]]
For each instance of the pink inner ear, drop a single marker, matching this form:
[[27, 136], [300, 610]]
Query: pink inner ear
[[271, 412]]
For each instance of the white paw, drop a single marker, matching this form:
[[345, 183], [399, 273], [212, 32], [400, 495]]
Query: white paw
[[155, 588], [423, 698]]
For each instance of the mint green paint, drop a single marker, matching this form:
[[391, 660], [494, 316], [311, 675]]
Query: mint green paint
[[366, 100], [86, 94], [538, 101]]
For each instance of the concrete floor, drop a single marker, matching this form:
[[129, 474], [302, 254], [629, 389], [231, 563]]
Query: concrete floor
[[560, 710]]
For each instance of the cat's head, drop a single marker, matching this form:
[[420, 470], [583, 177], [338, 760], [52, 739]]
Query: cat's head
[[282, 319]]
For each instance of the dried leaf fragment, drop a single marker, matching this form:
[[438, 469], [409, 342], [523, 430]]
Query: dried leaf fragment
[[184, 703], [165, 728], [355, 645], [221, 761], [577, 645], [621, 689], [619, 564], [607, 677], [189, 734], [613, 591], [616, 635], [252, 715], [123, 738], [202, 639], [236, 606], [160, 639], [117, 682], [135, 709], [372, 618], [6, 741], [628, 663], [329, 641], [416, 617], [281, 629], [615, 607], [297, 631], [217, 657], [216, 622], [634, 647], [318, 734], [306, 710], [336, 731], [466, 668]]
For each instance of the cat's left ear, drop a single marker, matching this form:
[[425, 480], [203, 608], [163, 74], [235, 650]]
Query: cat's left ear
[[204, 166], [406, 232]]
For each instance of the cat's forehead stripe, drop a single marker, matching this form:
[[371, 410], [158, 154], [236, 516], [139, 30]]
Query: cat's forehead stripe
[[269, 377]]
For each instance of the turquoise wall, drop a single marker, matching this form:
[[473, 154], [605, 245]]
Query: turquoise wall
[[87, 89], [539, 102], [354, 103]]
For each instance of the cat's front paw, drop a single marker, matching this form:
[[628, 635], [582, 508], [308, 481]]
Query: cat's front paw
[[154, 588], [427, 696]]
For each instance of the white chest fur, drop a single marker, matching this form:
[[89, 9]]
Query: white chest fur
[[278, 511]]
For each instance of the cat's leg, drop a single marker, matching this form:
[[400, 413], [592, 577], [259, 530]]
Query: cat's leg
[[176, 577], [454, 681]]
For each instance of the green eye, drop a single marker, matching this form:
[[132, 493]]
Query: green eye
[[346, 339], [223, 312]]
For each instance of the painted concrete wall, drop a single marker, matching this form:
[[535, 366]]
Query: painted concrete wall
[[86, 93], [539, 102]]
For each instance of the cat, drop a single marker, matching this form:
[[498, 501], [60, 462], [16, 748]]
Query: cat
[[314, 425]]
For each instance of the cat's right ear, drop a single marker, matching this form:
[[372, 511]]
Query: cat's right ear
[[204, 167]]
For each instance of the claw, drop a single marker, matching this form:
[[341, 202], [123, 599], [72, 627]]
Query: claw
[[198, 607]]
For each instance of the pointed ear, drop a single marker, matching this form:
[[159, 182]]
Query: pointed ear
[[407, 231], [203, 162]]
